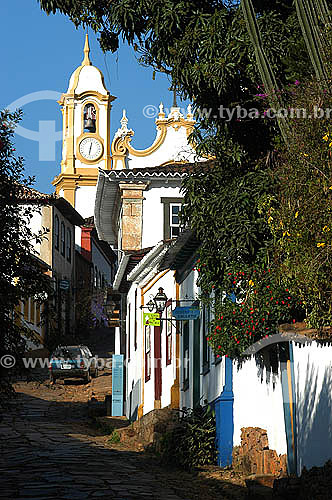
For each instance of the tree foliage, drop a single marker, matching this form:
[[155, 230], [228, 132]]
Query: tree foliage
[[300, 213], [217, 54], [20, 274]]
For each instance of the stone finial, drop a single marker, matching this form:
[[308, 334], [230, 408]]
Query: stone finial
[[124, 121], [123, 130], [190, 115], [86, 61], [161, 113]]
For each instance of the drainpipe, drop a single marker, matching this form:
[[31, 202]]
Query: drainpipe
[[224, 418]]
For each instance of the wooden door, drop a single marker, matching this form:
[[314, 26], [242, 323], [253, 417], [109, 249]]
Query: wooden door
[[157, 363]]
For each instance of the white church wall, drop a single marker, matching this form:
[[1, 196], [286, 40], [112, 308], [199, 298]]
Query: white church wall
[[77, 125], [85, 200], [174, 148]]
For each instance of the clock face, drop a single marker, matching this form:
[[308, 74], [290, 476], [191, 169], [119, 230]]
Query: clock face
[[90, 148]]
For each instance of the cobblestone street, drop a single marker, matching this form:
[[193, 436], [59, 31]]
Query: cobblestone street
[[47, 451]]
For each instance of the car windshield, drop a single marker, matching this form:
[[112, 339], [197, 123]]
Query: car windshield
[[67, 352]]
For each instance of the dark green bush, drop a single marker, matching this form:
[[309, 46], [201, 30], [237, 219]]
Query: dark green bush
[[191, 442]]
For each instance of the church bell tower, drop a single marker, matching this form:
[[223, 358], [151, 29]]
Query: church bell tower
[[86, 135]]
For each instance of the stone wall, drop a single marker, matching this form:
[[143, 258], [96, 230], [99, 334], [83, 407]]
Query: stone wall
[[253, 456], [149, 429]]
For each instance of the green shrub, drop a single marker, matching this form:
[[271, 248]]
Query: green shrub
[[192, 441], [114, 437]]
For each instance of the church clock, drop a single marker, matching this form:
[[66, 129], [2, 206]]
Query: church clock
[[91, 148]]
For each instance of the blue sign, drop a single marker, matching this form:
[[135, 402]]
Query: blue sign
[[188, 312], [117, 385]]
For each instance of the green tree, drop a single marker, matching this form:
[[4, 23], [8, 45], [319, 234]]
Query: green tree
[[222, 55], [20, 274]]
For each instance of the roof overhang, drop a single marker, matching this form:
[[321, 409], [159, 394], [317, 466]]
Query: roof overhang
[[68, 211], [121, 271], [149, 262], [181, 255]]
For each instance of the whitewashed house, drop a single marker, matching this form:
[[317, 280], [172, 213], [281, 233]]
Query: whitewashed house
[[283, 389], [137, 213]]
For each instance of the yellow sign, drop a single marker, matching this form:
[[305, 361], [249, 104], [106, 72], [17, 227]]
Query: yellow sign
[[152, 319]]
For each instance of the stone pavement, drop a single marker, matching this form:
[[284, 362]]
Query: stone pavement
[[46, 452]]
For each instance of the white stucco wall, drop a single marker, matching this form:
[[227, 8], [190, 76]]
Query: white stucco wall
[[35, 225], [78, 238], [85, 200], [313, 384], [137, 357], [213, 382], [134, 362], [258, 402], [153, 213]]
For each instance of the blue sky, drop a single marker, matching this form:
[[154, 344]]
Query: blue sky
[[39, 53]]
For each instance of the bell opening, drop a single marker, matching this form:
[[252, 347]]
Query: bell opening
[[89, 118]]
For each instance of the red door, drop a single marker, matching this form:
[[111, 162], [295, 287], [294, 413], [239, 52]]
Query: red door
[[157, 363]]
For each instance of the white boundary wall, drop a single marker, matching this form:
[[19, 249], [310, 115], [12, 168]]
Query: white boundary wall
[[258, 403], [313, 385]]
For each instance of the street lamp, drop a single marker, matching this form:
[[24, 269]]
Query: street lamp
[[160, 300], [150, 305]]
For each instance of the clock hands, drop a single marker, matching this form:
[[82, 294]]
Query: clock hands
[[90, 148]]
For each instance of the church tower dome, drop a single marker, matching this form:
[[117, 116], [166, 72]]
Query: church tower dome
[[87, 76], [86, 135]]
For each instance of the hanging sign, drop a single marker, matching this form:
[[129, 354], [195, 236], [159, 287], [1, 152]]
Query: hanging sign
[[187, 312], [152, 319]]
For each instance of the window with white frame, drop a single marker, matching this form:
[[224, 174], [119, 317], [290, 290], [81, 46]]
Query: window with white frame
[[174, 219], [172, 208]]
